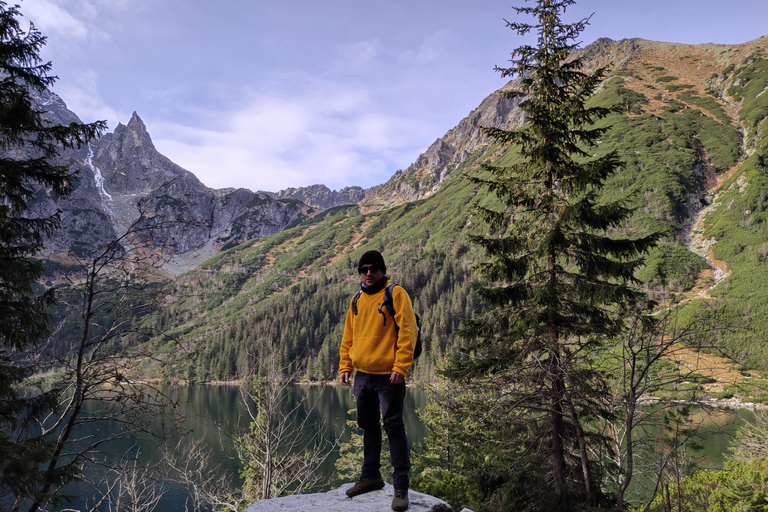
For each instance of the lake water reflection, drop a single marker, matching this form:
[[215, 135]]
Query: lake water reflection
[[213, 413]]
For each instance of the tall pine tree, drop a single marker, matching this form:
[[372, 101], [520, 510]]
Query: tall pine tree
[[28, 150], [560, 284]]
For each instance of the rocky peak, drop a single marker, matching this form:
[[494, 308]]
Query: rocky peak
[[320, 196], [425, 176], [135, 134], [130, 163]]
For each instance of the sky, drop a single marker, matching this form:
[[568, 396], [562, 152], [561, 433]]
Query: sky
[[271, 94]]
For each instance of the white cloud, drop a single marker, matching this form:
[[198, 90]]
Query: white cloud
[[334, 135], [81, 94], [362, 52], [52, 19]]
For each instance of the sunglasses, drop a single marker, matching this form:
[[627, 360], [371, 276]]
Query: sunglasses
[[369, 268]]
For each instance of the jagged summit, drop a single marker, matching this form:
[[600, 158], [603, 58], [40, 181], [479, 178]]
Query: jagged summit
[[124, 180], [135, 133], [131, 164], [125, 166], [320, 196]]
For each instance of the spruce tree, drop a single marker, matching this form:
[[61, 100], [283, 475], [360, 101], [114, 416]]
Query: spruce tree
[[559, 284], [28, 150]]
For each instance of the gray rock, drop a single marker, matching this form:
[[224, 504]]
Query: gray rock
[[320, 196], [425, 176], [337, 501], [123, 180]]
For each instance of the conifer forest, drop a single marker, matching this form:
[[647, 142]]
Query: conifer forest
[[591, 283]]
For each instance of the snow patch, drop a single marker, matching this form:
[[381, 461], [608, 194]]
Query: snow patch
[[97, 177]]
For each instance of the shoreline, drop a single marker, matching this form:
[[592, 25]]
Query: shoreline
[[715, 403]]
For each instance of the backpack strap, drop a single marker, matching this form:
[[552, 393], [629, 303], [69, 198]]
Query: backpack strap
[[354, 301], [388, 300]]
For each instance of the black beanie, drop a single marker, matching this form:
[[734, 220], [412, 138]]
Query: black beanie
[[373, 258]]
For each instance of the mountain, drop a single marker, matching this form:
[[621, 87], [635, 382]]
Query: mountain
[[124, 181], [692, 138], [321, 197], [689, 134]]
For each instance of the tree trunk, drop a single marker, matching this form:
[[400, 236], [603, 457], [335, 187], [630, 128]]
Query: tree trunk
[[558, 388], [558, 448], [589, 484], [629, 453]]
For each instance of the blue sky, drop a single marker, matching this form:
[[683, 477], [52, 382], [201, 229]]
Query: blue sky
[[269, 94]]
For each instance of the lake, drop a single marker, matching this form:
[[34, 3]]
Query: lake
[[213, 413]]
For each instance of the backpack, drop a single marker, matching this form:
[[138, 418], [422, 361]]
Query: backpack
[[391, 308]]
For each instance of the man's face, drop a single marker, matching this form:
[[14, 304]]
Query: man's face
[[370, 274]]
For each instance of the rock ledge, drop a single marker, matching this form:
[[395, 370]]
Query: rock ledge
[[337, 501]]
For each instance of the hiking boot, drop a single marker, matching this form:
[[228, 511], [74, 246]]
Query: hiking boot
[[366, 485], [400, 501]]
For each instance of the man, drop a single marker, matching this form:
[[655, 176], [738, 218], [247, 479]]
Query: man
[[380, 348]]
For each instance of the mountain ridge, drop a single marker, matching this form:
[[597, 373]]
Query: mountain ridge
[[124, 167], [691, 115], [124, 182], [675, 136]]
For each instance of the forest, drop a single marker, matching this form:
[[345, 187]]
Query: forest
[[293, 288], [554, 272]]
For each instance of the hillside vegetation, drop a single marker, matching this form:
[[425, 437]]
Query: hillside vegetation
[[689, 114]]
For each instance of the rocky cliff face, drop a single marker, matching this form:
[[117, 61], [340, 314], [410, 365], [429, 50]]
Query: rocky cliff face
[[320, 196], [425, 176], [124, 181]]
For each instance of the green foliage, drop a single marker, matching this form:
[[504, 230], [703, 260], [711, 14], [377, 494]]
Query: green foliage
[[475, 455], [739, 487], [615, 93], [677, 87], [29, 147], [708, 104], [660, 154], [672, 267], [559, 280]]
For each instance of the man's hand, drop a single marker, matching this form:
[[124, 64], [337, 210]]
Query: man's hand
[[396, 378], [344, 378]]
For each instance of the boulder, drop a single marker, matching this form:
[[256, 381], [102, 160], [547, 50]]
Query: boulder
[[337, 501]]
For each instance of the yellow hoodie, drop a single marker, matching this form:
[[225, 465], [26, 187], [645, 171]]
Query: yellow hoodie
[[371, 343]]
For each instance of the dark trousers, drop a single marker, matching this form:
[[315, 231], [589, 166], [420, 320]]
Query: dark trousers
[[374, 392]]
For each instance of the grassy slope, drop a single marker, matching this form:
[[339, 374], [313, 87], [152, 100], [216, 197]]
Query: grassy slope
[[293, 288]]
